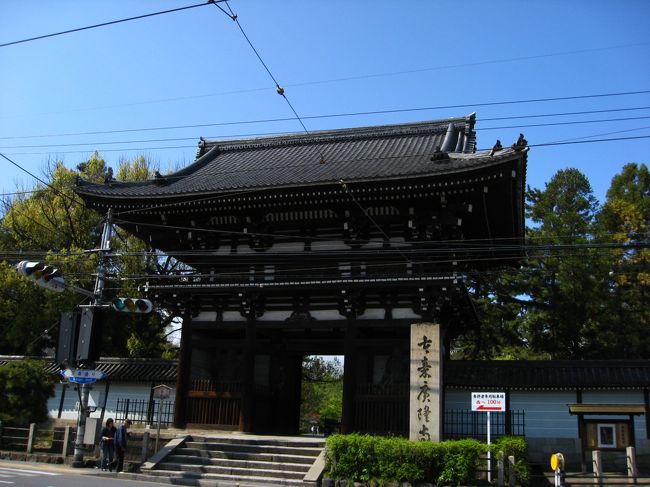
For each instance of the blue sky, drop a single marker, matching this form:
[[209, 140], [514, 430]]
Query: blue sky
[[332, 57]]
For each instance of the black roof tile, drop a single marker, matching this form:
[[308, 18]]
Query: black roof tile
[[119, 369], [552, 374], [360, 154]]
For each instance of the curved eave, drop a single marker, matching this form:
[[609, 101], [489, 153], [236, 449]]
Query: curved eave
[[105, 195]]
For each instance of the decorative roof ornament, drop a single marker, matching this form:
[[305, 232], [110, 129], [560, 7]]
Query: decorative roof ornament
[[451, 138], [496, 147], [439, 155], [521, 143], [108, 177]]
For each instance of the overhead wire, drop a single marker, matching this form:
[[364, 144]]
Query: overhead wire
[[301, 272], [280, 90], [352, 78], [456, 260], [227, 136], [95, 144], [346, 114], [104, 24]]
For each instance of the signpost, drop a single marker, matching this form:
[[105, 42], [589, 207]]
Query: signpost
[[487, 402], [160, 392]]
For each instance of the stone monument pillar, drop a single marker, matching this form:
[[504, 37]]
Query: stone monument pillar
[[426, 388]]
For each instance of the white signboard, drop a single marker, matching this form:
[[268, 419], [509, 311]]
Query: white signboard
[[489, 401], [83, 376]]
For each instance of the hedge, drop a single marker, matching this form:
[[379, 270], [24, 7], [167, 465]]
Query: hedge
[[377, 459]]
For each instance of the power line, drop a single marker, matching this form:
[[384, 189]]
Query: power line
[[175, 139], [352, 78], [278, 88], [545, 252], [104, 24], [346, 114], [142, 149], [69, 198]]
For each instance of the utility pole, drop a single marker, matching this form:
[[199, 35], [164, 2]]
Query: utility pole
[[84, 393], [79, 333]]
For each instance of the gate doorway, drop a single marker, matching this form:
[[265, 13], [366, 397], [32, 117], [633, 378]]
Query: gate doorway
[[321, 398]]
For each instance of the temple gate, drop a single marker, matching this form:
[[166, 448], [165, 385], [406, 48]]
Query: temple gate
[[328, 243]]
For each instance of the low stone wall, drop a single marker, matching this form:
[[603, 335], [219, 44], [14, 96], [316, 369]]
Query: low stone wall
[[30, 457]]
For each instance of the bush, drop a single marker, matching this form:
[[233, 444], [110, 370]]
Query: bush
[[364, 458], [513, 446], [25, 388]]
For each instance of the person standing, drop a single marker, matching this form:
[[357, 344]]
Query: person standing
[[107, 445], [121, 439]]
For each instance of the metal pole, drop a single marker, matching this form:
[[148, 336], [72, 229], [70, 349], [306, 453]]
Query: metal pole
[[489, 453], [160, 408], [107, 233], [81, 425]]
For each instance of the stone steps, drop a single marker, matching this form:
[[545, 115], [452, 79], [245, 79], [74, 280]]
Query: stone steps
[[207, 457], [239, 460]]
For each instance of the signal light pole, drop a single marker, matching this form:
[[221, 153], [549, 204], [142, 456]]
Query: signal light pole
[[87, 325], [84, 394]]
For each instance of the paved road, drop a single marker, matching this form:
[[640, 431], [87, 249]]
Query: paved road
[[21, 474]]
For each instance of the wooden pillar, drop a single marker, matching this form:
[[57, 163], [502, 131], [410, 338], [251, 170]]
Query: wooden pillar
[[349, 377], [184, 373], [426, 402], [247, 409], [646, 416]]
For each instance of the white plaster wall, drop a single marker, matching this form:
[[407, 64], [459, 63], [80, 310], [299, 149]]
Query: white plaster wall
[[132, 391]]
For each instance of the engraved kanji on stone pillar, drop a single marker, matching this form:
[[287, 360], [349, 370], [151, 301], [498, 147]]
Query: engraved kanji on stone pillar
[[425, 398]]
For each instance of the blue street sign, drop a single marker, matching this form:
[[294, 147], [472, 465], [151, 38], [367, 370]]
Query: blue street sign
[[83, 376]]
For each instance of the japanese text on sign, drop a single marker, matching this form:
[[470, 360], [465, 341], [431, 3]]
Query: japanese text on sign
[[489, 401]]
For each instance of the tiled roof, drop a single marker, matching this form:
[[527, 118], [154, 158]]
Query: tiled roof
[[354, 155], [552, 374], [120, 369]]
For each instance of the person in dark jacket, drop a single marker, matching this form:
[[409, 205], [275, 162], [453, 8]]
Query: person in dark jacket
[[120, 440], [107, 445]]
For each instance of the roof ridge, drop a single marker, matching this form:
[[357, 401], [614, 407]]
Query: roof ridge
[[340, 134]]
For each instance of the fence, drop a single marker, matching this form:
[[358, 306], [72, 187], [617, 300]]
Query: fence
[[144, 411], [460, 423], [37, 440]]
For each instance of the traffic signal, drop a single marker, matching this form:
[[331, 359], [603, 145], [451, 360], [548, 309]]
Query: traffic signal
[[132, 305], [67, 343], [89, 339], [42, 274]]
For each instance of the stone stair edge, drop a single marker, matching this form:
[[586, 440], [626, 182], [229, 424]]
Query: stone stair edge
[[251, 463], [194, 477], [244, 457], [283, 452], [194, 468], [296, 440]]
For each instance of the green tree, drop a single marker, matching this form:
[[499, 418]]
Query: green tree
[[563, 283], [625, 219], [53, 225], [24, 390], [322, 390]]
